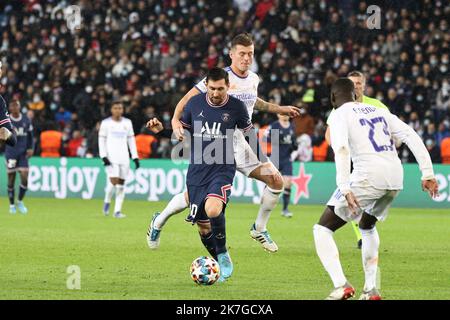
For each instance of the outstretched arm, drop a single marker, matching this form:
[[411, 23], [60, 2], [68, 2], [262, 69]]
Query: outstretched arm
[[404, 133], [265, 106], [177, 126]]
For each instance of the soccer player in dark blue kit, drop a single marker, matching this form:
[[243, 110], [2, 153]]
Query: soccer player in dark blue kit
[[7, 134], [17, 156], [211, 119], [281, 154]]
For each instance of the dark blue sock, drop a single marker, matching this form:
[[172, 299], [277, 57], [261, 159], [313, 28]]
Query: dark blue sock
[[22, 191], [210, 244], [218, 231], [286, 198], [11, 195]]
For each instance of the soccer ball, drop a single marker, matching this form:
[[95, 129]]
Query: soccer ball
[[205, 270]]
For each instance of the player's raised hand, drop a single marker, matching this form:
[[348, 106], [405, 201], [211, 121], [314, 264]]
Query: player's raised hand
[[431, 186], [4, 134], [177, 128], [353, 203], [154, 125], [290, 111]]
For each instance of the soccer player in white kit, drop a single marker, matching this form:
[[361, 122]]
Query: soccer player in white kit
[[244, 86], [116, 135], [365, 135]]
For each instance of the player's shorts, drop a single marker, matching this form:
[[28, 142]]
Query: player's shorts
[[374, 202], [118, 171], [18, 163], [246, 159], [285, 168], [219, 189]]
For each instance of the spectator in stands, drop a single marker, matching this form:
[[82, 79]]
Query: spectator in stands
[[153, 50], [74, 144], [146, 143], [445, 150], [51, 142]]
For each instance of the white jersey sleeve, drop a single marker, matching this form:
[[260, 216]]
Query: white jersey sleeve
[[340, 144], [404, 133], [102, 134], [132, 141], [201, 85]]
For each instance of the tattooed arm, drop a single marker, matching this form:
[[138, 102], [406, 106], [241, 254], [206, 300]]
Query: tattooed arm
[[265, 106]]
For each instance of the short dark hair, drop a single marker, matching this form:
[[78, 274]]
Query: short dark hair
[[14, 101], [342, 86], [216, 74], [245, 39], [356, 73], [116, 102]]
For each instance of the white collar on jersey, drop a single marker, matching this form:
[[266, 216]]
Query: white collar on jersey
[[217, 106], [16, 119]]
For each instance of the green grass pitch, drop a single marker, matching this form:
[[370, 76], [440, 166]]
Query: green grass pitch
[[116, 263]]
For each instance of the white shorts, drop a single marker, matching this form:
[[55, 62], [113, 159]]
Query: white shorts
[[374, 202], [246, 159], [118, 171]]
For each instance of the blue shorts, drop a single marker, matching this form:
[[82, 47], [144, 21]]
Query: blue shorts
[[219, 189], [285, 168], [14, 164]]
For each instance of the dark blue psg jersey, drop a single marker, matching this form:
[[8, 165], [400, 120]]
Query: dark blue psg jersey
[[24, 132], [211, 130], [287, 140], [4, 116]]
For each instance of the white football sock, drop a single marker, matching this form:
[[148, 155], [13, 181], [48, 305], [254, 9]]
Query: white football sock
[[176, 205], [109, 191], [329, 255], [369, 252], [120, 196], [269, 200]]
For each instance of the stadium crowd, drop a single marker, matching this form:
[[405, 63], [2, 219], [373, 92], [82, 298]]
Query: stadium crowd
[[150, 53]]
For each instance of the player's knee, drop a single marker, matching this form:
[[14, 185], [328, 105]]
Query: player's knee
[[213, 207], [276, 182], [367, 222]]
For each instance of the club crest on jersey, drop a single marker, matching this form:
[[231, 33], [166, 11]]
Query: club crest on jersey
[[225, 117]]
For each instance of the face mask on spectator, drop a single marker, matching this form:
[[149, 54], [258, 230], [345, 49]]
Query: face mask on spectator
[[46, 89], [166, 117], [36, 98], [40, 52], [433, 62], [89, 89], [200, 4], [443, 68], [387, 79], [419, 97], [339, 50], [40, 76], [407, 108]]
